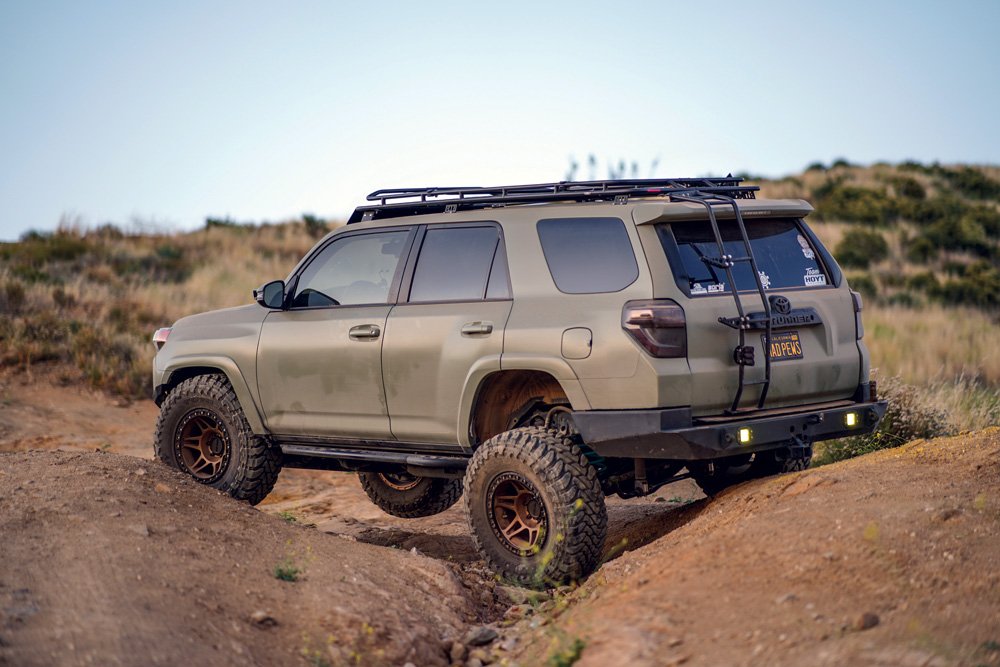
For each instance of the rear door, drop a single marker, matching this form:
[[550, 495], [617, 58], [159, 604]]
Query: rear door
[[446, 329], [813, 359]]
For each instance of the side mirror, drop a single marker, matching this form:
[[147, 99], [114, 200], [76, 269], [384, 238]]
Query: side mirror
[[271, 295]]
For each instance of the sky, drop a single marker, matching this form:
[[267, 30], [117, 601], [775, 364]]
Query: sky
[[164, 113]]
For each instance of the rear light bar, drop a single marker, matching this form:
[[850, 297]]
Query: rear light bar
[[658, 325]]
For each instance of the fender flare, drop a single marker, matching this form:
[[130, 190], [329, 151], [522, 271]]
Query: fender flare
[[235, 376]]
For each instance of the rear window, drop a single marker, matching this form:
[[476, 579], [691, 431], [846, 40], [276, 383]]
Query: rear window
[[588, 255], [785, 256]]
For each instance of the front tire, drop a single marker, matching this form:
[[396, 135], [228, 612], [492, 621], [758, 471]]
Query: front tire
[[203, 432], [535, 507], [409, 497]]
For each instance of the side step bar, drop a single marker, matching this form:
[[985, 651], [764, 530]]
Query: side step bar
[[337, 458]]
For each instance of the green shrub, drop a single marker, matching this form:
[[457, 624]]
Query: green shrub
[[816, 166], [972, 182], [860, 248], [855, 204], [987, 217], [864, 283], [316, 227], [921, 250], [978, 285], [12, 297], [909, 188], [923, 282], [908, 417], [932, 210], [962, 233]]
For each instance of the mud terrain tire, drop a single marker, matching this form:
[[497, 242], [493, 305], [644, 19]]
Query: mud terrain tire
[[204, 409], [729, 472], [555, 489], [410, 497]]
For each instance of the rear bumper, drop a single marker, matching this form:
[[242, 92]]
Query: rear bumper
[[673, 434]]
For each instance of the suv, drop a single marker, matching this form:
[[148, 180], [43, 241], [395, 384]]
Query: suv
[[539, 347]]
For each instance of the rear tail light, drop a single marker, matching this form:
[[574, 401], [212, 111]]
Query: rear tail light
[[859, 305], [160, 337], [658, 325]]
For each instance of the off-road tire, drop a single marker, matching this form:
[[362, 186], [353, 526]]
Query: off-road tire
[[428, 496], [251, 465], [567, 485], [729, 472]]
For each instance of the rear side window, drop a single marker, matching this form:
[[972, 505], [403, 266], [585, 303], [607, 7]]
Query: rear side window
[[588, 255], [454, 264], [785, 256]]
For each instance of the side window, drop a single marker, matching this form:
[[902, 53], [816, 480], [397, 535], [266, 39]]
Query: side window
[[588, 255], [351, 270], [454, 264]]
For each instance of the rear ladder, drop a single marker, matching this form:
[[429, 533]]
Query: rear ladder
[[743, 354]]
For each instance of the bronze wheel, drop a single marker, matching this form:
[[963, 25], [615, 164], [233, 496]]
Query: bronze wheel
[[400, 481], [516, 512], [202, 445]]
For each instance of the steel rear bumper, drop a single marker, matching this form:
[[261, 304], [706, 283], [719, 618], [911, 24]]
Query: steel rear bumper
[[673, 434]]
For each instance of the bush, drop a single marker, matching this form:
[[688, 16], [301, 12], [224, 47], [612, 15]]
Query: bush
[[908, 417], [910, 188], [972, 183], [12, 298], [932, 210], [864, 283], [921, 250], [958, 234], [860, 248], [855, 204], [978, 285], [316, 227]]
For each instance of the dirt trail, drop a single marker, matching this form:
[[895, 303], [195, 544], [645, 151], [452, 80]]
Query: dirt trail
[[109, 559]]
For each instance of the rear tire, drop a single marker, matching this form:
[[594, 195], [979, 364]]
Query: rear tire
[[535, 507], [203, 432], [730, 471], [410, 497]]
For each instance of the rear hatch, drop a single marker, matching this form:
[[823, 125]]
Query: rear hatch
[[815, 356]]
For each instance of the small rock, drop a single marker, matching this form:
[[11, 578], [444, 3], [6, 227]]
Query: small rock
[[946, 514], [263, 619], [481, 655], [140, 529], [865, 621], [409, 664], [508, 644], [787, 597], [517, 611], [457, 652], [140, 471], [472, 662], [115, 515], [480, 636], [674, 642], [160, 487]]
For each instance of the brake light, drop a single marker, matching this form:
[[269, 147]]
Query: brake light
[[658, 325], [160, 336], [859, 305]]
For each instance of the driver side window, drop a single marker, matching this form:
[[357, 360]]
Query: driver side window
[[352, 270]]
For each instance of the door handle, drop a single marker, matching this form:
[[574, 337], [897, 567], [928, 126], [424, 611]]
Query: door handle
[[477, 328], [365, 332]]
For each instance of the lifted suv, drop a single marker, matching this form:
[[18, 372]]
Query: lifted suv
[[540, 347]]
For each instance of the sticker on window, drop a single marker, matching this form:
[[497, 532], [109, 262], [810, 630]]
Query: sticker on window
[[717, 287], [807, 252], [813, 278], [698, 288], [765, 280]]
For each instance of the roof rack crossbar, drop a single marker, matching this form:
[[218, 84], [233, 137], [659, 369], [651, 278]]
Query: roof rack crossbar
[[398, 202]]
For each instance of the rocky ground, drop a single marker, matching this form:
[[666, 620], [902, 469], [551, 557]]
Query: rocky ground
[[107, 557]]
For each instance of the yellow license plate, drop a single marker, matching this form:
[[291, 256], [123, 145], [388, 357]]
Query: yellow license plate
[[784, 345]]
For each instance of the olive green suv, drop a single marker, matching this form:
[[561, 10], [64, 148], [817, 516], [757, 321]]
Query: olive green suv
[[538, 347]]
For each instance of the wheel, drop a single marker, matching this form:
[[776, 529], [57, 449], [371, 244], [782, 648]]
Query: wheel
[[404, 495], [735, 469], [202, 431], [535, 507]]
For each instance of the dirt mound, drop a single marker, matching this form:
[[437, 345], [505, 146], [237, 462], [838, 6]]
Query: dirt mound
[[109, 559], [889, 559]]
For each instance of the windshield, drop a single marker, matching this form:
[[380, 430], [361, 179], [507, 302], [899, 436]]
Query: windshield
[[785, 256]]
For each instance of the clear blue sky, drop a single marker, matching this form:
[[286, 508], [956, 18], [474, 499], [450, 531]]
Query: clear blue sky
[[173, 111]]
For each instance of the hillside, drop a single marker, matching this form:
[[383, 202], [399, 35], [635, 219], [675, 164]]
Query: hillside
[[109, 558]]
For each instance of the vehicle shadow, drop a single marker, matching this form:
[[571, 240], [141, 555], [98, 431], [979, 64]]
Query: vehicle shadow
[[451, 548], [632, 525]]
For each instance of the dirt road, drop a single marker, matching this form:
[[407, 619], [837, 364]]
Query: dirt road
[[108, 559]]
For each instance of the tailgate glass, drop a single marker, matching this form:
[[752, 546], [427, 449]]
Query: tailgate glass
[[785, 255]]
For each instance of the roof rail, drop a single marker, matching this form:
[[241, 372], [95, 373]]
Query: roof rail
[[400, 202]]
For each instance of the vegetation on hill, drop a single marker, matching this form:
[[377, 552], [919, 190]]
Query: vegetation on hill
[[922, 242]]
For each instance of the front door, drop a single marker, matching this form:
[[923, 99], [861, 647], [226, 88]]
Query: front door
[[319, 366], [447, 327]]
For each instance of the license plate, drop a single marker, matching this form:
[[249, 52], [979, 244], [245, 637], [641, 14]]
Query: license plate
[[784, 345]]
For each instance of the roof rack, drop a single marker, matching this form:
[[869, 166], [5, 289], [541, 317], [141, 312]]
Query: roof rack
[[400, 202]]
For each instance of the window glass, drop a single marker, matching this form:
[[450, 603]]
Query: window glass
[[588, 255], [352, 270], [785, 257], [454, 264], [499, 285]]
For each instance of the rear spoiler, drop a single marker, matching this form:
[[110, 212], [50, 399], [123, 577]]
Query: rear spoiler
[[648, 213]]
